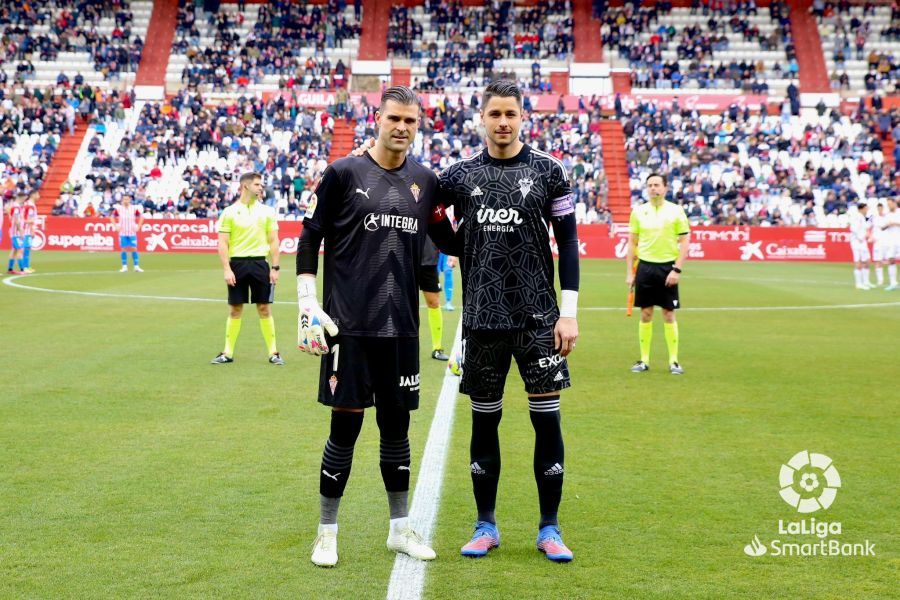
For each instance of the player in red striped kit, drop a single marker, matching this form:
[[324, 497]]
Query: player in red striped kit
[[29, 221], [128, 220], [16, 235]]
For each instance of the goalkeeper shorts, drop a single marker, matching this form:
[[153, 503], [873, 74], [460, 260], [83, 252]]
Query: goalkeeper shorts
[[360, 372]]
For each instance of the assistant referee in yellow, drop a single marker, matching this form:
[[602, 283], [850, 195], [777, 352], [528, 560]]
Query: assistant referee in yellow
[[248, 234], [658, 233]]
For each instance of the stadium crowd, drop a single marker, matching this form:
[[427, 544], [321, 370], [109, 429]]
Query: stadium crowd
[[851, 38], [641, 36], [32, 121], [739, 168], [72, 28], [287, 39], [185, 155], [455, 57]]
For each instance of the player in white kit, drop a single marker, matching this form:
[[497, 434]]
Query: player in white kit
[[879, 244], [860, 234], [891, 229]]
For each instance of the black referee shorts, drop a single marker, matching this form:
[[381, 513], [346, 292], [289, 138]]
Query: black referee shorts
[[251, 281], [650, 286], [428, 279], [360, 372]]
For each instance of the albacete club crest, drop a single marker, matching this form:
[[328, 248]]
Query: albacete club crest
[[414, 188], [525, 185]]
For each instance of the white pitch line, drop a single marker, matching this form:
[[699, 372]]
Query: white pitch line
[[408, 576], [12, 282], [757, 308]]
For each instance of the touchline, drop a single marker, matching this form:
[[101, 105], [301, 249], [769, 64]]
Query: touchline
[[821, 548]]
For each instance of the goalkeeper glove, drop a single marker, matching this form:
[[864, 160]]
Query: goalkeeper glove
[[312, 322]]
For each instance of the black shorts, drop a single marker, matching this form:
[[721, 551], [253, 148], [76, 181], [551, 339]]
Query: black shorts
[[486, 361], [650, 286], [251, 282], [428, 279], [366, 371]]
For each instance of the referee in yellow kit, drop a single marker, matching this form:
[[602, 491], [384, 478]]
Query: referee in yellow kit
[[248, 233], [658, 233]]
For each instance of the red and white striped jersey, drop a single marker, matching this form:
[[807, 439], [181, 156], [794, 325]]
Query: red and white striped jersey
[[29, 218], [128, 219], [15, 220]]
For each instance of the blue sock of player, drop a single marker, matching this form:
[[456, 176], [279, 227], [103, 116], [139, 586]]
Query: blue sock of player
[[21, 263], [26, 256], [484, 452], [12, 263], [134, 258], [124, 259], [337, 460], [448, 285], [393, 426], [549, 455]]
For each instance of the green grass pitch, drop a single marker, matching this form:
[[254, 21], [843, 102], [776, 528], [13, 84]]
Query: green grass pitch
[[131, 468]]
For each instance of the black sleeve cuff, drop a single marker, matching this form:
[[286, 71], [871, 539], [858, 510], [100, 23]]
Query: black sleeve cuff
[[308, 251]]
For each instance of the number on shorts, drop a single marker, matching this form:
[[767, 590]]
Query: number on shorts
[[335, 350]]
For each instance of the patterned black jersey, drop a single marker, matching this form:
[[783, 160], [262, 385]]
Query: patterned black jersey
[[374, 223], [504, 207]]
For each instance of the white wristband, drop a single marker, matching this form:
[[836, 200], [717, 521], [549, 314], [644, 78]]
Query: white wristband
[[568, 306], [306, 286]]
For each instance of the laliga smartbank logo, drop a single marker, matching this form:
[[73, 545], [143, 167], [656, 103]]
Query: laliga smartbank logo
[[809, 482]]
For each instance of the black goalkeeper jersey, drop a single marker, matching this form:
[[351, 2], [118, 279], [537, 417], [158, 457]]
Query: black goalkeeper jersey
[[504, 207], [374, 223]]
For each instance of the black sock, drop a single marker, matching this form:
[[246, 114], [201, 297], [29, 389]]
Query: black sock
[[484, 453], [337, 459], [549, 455], [393, 425]]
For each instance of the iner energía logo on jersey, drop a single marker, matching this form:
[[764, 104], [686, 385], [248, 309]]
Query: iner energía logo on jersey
[[501, 219], [374, 222]]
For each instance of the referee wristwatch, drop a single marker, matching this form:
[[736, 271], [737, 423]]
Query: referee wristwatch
[[276, 267], [677, 270]]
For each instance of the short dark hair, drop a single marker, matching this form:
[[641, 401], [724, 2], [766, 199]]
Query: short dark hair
[[501, 88], [655, 174], [249, 176], [401, 95]]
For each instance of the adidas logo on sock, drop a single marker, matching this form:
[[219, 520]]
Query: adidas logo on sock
[[554, 470], [477, 470], [559, 376], [477, 191]]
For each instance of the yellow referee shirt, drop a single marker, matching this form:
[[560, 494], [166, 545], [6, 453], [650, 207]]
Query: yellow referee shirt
[[248, 227], [658, 230]]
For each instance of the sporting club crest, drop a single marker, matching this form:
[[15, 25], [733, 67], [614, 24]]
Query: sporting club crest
[[414, 188], [332, 383]]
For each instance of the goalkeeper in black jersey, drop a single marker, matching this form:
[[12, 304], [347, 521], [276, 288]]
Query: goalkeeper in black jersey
[[373, 212]]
